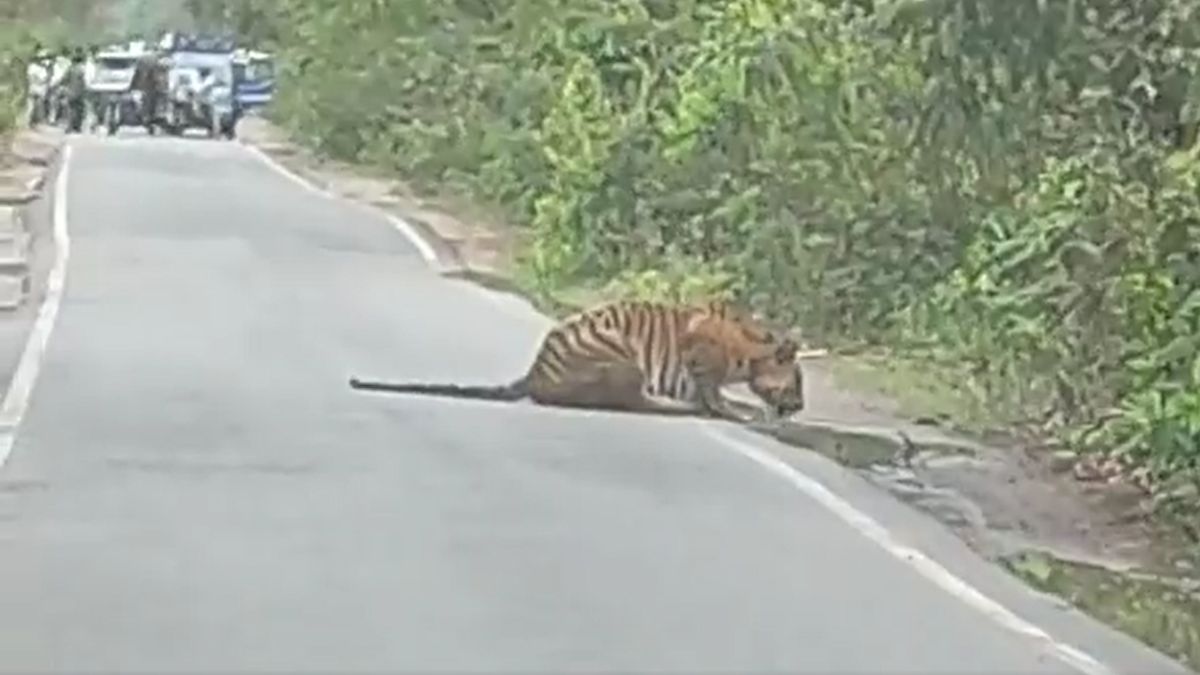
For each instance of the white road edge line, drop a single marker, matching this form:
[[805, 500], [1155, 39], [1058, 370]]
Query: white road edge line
[[856, 519], [16, 399], [403, 226], [918, 561]]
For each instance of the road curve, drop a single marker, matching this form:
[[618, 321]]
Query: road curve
[[194, 487]]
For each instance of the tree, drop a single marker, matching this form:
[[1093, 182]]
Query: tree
[[252, 20]]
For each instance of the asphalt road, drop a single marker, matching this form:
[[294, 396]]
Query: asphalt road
[[194, 486]]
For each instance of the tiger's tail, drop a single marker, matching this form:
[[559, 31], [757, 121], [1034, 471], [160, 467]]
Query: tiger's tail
[[514, 391]]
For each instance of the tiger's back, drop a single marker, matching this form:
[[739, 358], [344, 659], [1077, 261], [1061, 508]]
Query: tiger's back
[[645, 334]]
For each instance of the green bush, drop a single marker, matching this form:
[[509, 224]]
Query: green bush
[[1009, 182], [12, 80]]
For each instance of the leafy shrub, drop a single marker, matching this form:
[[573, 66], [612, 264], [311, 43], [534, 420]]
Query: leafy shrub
[[12, 80]]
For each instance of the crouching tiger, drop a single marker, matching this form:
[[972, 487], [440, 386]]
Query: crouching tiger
[[648, 357]]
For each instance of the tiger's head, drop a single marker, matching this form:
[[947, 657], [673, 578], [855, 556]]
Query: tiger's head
[[768, 359], [778, 380]]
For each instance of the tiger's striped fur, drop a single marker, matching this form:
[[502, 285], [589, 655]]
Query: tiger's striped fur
[[647, 357]]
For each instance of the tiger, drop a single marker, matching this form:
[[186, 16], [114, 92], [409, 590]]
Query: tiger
[[647, 357]]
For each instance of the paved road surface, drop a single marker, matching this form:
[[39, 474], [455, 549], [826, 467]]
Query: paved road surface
[[195, 488]]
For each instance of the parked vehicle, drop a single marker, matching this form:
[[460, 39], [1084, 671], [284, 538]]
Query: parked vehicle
[[254, 78], [75, 92], [201, 93], [111, 89]]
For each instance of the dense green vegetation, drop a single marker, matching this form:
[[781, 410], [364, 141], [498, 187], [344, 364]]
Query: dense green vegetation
[[10, 84], [14, 49], [1011, 188]]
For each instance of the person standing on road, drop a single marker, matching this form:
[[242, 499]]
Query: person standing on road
[[146, 80], [92, 101], [59, 66], [75, 84], [37, 75], [235, 81]]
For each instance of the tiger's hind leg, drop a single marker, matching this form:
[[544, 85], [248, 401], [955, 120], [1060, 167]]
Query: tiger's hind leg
[[610, 386]]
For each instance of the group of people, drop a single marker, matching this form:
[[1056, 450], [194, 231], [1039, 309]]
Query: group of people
[[57, 87], [60, 88]]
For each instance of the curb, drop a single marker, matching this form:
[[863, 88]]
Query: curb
[[37, 156]]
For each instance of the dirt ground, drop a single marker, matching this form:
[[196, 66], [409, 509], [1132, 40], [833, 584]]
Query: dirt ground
[[1003, 495]]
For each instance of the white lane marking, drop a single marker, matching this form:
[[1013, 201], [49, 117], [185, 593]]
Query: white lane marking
[[16, 400], [286, 172], [918, 561], [403, 226], [415, 239], [859, 521], [426, 251]]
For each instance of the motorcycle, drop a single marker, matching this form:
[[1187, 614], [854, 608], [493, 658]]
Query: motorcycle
[[122, 108]]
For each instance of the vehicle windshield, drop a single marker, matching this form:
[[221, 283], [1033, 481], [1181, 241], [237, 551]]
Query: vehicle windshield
[[114, 69], [259, 71], [115, 63]]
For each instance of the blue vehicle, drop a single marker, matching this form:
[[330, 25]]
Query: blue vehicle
[[254, 73]]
